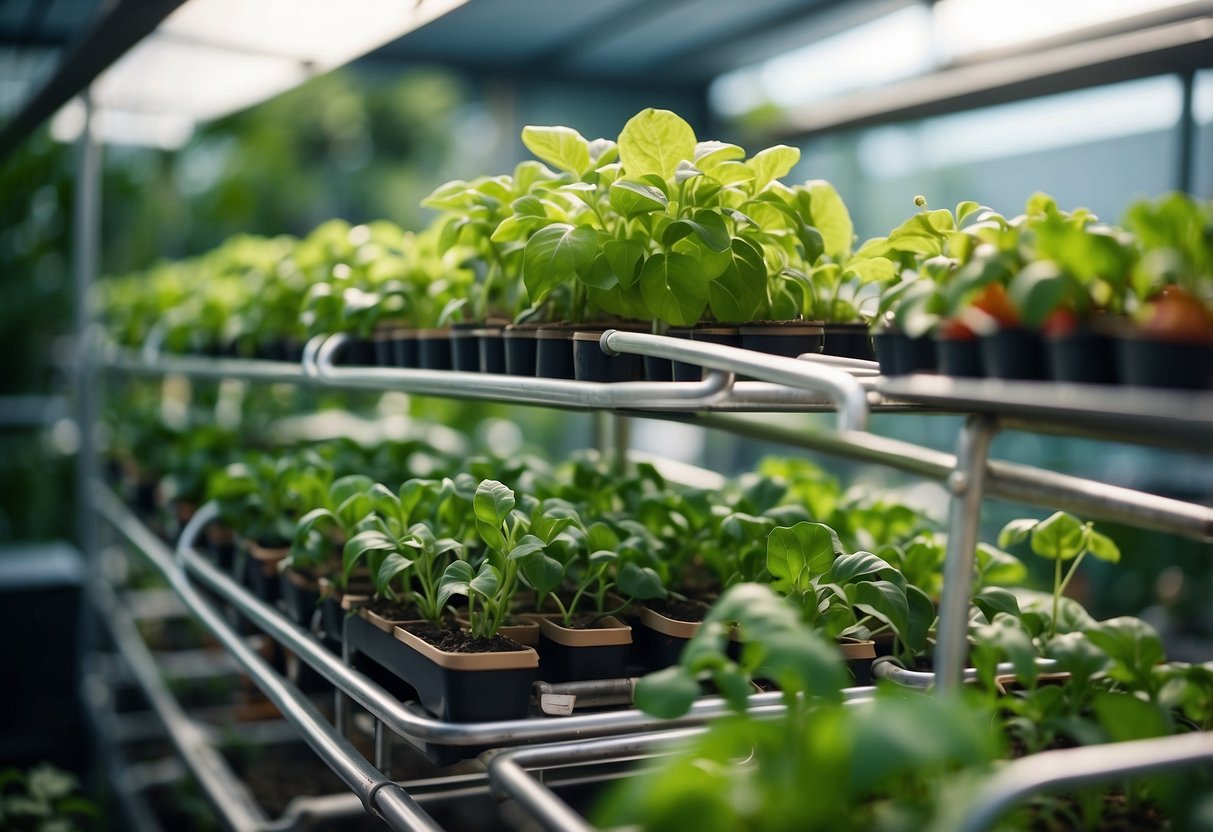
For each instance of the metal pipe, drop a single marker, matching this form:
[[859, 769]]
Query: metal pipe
[[509, 778], [848, 396], [86, 234], [891, 671], [560, 699], [379, 794], [1074, 767], [1007, 481], [222, 788], [648, 395], [966, 485]]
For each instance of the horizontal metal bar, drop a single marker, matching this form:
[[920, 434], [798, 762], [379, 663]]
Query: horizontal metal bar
[[645, 395], [890, 671], [1175, 418], [216, 779], [31, 411], [841, 387], [1073, 767], [509, 777], [200, 366], [1119, 57], [1007, 481], [377, 792]]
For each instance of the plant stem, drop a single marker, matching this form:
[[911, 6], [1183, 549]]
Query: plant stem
[[1056, 596]]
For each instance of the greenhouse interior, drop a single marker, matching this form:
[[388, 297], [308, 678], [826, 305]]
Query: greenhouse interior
[[837, 375]]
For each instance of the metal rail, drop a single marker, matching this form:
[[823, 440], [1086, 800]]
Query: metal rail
[[380, 795], [223, 790], [890, 671], [846, 394], [1008, 481], [1071, 767]]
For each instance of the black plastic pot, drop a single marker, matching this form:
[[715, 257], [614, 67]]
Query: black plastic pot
[[408, 351], [579, 655], [1179, 365], [590, 363], [300, 594], [658, 640], [787, 338], [899, 354], [554, 353], [491, 350], [519, 346], [1081, 356], [726, 336], [848, 341], [434, 349], [356, 352], [959, 357], [261, 569], [465, 348], [1014, 353], [658, 369], [450, 693]]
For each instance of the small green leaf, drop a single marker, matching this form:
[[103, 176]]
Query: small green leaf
[[707, 225], [486, 581], [668, 693], [1102, 547], [1038, 290], [1015, 531], [654, 142], [993, 600], [831, 218], [633, 198], [639, 582], [883, 599], [710, 154], [543, 573], [1125, 717], [562, 147], [1059, 537], [491, 505], [772, 163], [455, 580], [527, 546]]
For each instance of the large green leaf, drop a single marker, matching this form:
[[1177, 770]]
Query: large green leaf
[[543, 573], [1037, 290], [798, 553], [667, 694], [1125, 717], [802, 662], [857, 565], [655, 141], [1133, 646], [624, 257], [885, 600], [640, 583], [562, 147], [831, 218], [710, 154], [674, 288], [554, 254]]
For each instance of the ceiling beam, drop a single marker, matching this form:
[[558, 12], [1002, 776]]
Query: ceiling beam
[[124, 24], [1175, 47]]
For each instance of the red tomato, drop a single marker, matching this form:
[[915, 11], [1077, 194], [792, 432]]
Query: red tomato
[[996, 303], [1177, 316]]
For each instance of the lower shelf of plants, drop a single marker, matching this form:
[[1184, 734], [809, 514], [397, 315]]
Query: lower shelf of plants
[[1103, 683]]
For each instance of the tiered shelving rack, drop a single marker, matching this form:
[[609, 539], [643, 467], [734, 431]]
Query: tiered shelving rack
[[512, 750]]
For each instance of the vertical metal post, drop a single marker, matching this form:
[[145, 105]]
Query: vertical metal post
[[966, 484], [621, 442], [86, 223], [383, 749], [1185, 173]]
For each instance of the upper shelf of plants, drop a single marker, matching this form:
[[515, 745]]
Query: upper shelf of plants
[[520, 274]]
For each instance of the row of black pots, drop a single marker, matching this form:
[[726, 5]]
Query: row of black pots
[[566, 351], [1083, 356]]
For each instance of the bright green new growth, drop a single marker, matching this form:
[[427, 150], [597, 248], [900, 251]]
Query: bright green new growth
[[1060, 537]]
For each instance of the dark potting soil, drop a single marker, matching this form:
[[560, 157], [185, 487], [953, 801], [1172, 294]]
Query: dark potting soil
[[393, 610], [1060, 813], [679, 610], [587, 621], [455, 641]]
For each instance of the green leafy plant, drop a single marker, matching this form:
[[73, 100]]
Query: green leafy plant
[[43, 799]]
